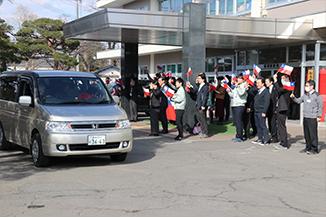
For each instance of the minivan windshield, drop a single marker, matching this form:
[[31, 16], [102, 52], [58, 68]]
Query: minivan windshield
[[72, 90]]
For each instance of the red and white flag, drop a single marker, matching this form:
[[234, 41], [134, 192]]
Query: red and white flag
[[246, 74], [225, 82], [256, 70], [168, 92], [189, 73], [212, 88], [285, 69], [147, 93], [290, 86], [251, 80]]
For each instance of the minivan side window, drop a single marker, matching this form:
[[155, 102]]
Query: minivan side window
[[25, 88], [8, 88]]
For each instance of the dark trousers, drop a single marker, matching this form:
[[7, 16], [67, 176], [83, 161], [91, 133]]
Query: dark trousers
[[237, 114], [272, 126], [249, 123], [179, 121], [227, 107], [219, 109], [281, 128], [133, 110], [262, 130], [201, 117], [310, 130], [163, 119], [154, 115]]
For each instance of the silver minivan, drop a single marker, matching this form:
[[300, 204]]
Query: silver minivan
[[60, 113]]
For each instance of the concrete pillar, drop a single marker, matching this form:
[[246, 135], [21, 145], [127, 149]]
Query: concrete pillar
[[129, 60], [256, 8], [194, 46], [152, 69]]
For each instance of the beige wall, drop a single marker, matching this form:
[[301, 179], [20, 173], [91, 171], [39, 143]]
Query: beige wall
[[297, 9]]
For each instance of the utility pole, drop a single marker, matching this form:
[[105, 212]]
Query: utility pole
[[78, 4]]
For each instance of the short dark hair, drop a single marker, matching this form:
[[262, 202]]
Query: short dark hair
[[270, 79], [203, 76], [261, 79], [311, 83], [180, 80]]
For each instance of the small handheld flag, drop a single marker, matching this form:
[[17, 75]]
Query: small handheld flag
[[285, 69], [146, 92], [256, 70], [212, 88], [225, 84], [189, 73], [290, 86]]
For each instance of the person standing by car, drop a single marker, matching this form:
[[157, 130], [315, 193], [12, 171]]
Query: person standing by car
[[134, 93], [179, 99], [312, 112], [155, 103]]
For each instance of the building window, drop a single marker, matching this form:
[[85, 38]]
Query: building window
[[241, 58], [143, 70], [210, 64], [280, 2], [310, 52], [171, 68], [272, 55], [295, 53], [252, 57], [243, 6], [179, 68], [172, 5], [323, 52], [224, 64], [225, 7]]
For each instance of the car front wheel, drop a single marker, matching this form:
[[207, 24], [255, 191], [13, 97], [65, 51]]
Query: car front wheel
[[38, 157]]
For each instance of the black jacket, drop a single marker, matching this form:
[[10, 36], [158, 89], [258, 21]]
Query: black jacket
[[252, 92], [155, 101], [272, 109], [262, 100], [201, 96], [283, 98]]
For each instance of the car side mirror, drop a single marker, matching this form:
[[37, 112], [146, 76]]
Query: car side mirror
[[25, 100]]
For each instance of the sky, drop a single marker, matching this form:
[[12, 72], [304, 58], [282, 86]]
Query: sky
[[60, 9]]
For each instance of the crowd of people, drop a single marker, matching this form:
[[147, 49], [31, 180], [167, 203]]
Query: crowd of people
[[259, 107]]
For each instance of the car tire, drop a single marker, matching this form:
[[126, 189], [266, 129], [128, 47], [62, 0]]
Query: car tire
[[118, 157], [4, 144], [39, 159]]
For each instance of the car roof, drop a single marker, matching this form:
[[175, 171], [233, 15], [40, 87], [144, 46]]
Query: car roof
[[50, 73]]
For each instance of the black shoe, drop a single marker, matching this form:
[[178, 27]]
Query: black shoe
[[272, 140], [153, 134], [164, 132], [304, 151], [178, 138], [312, 152]]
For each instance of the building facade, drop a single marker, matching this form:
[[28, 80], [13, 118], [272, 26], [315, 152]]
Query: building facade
[[238, 34]]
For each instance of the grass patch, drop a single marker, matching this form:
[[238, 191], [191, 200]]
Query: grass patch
[[224, 128]]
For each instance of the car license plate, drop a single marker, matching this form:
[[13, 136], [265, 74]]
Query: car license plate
[[96, 140]]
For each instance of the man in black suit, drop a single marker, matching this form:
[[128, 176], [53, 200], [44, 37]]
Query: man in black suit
[[261, 104], [163, 106], [249, 115], [282, 109], [272, 110], [155, 103], [201, 92]]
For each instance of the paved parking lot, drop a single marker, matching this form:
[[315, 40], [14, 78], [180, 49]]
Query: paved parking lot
[[161, 177]]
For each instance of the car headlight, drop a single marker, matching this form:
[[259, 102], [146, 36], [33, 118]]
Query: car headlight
[[122, 124], [58, 127]]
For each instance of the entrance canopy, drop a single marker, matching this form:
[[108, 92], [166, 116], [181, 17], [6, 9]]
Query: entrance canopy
[[161, 28]]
